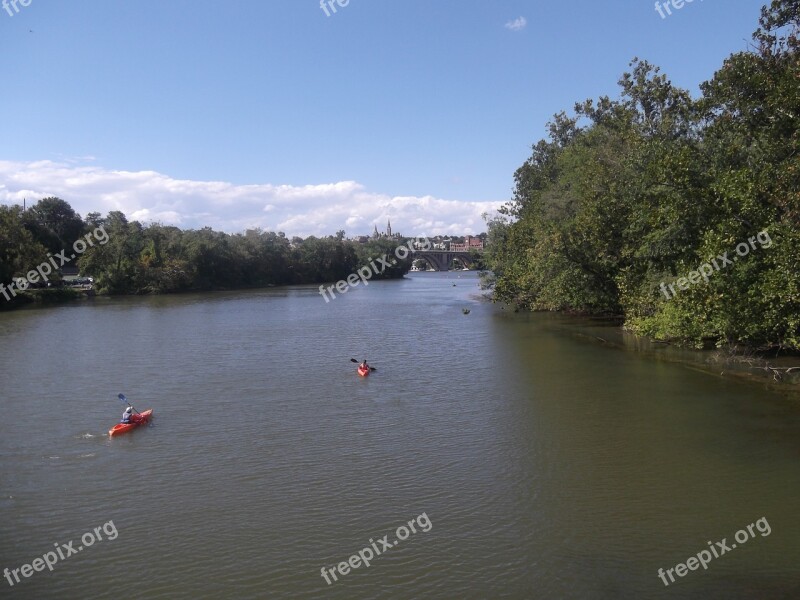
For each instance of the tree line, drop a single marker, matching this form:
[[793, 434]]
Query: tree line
[[156, 258], [631, 193]]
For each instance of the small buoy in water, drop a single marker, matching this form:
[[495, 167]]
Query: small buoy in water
[[465, 311], [454, 285]]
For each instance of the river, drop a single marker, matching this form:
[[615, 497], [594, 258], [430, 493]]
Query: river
[[530, 463]]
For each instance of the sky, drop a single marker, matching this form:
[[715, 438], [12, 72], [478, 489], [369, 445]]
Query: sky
[[272, 114]]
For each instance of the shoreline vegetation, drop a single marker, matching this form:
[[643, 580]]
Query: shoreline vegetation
[[780, 374], [778, 371], [631, 196], [158, 259]]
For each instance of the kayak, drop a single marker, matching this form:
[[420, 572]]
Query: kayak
[[136, 420], [363, 371]]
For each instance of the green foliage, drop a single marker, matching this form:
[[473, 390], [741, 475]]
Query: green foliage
[[156, 258], [161, 259], [632, 192], [19, 250], [388, 250], [53, 223]]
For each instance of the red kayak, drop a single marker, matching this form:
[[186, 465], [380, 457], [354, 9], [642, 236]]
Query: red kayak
[[363, 371], [136, 420]]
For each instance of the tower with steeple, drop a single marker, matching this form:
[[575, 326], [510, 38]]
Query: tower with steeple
[[388, 228]]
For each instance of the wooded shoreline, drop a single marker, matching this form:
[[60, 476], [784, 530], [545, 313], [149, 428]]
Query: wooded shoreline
[[680, 214]]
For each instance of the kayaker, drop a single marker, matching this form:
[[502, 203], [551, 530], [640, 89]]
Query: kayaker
[[364, 365], [126, 416]]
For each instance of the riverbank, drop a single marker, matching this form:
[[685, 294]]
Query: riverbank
[[49, 296], [44, 297], [781, 374]]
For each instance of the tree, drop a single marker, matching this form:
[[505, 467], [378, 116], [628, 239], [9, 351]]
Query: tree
[[114, 264], [54, 223], [19, 250]]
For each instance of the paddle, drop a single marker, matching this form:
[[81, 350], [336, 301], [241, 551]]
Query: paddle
[[125, 400], [359, 362]]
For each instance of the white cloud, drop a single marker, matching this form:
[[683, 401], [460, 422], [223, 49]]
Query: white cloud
[[517, 24], [322, 209]]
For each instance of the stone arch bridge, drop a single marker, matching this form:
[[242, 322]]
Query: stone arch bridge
[[440, 259]]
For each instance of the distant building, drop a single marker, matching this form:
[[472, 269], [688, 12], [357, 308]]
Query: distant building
[[474, 243], [470, 243], [69, 272], [388, 235]]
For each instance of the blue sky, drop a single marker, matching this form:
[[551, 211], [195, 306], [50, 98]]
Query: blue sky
[[246, 113]]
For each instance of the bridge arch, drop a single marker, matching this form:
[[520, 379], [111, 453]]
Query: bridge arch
[[440, 259]]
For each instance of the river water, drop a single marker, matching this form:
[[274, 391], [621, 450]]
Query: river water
[[531, 463]]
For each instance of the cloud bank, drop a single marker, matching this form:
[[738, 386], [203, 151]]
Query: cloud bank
[[321, 209]]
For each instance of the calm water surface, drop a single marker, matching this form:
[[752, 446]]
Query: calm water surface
[[548, 467]]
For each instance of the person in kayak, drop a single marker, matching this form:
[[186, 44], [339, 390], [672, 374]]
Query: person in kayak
[[364, 365], [126, 416]]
